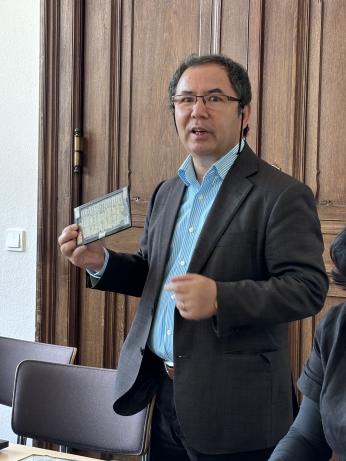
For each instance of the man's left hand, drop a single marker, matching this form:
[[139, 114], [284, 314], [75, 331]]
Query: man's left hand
[[195, 296]]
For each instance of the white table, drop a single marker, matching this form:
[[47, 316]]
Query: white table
[[16, 452]]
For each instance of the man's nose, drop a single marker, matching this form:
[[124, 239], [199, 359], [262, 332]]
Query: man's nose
[[199, 108]]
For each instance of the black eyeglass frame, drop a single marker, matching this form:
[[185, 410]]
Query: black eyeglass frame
[[229, 98]]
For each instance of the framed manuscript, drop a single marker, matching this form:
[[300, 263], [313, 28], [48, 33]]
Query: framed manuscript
[[103, 216]]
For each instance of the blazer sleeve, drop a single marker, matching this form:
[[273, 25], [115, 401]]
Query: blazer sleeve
[[295, 284]]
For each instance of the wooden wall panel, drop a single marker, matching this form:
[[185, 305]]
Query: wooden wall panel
[[96, 161], [332, 158], [279, 80], [234, 30], [155, 148], [240, 34]]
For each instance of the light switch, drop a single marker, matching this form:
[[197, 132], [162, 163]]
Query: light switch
[[15, 239]]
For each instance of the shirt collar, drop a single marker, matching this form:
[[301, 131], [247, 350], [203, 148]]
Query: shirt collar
[[186, 171]]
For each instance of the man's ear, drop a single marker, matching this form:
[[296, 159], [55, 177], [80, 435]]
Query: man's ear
[[246, 112]]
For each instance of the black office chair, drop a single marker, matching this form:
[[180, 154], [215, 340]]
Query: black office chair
[[13, 351], [72, 405]]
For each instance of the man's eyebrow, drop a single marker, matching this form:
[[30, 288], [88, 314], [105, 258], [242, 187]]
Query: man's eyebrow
[[216, 90], [213, 90]]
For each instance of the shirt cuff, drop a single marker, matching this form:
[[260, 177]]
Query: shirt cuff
[[98, 274]]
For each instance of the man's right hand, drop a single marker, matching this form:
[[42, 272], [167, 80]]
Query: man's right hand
[[89, 256]]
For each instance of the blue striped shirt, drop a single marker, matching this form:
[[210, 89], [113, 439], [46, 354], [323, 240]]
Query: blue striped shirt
[[194, 209]]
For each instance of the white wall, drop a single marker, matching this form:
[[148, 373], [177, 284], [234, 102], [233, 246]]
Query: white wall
[[19, 102]]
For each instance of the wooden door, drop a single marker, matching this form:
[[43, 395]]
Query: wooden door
[[105, 71]]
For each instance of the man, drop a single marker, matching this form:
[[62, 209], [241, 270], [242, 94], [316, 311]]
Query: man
[[231, 252]]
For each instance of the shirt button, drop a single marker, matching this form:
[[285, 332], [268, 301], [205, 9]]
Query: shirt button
[[200, 197], [191, 229], [169, 332], [172, 296], [182, 263]]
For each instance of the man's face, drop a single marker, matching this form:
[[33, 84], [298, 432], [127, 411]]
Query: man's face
[[208, 132]]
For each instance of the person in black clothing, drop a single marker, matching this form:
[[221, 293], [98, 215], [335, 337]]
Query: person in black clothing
[[320, 426]]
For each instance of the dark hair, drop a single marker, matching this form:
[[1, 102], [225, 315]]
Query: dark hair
[[237, 75], [338, 255]]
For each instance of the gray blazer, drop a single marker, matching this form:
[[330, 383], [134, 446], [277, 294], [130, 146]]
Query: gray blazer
[[262, 244]]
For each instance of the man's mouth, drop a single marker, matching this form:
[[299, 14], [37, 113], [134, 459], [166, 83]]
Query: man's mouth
[[198, 131]]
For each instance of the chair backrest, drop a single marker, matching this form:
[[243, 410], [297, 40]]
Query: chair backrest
[[13, 351], [72, 405]]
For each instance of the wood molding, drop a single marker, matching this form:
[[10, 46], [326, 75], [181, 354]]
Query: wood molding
[[332, 216], [301, 91], [47, 170], [299, 147], [76, 175], [114, 95], [255, 68], [114, 326], [311, 175], [294, 335], [205, 26], [57, 297], [215, 45], [125, 42]]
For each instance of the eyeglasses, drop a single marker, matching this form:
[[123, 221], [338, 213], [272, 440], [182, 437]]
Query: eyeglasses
[[211, 101]]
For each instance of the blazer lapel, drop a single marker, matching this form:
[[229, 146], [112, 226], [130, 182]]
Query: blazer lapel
[[167, 223], [231, 195]]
